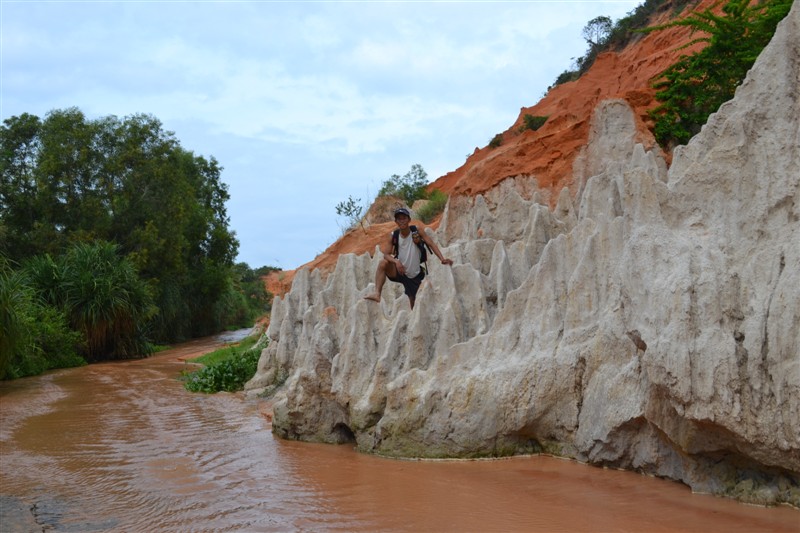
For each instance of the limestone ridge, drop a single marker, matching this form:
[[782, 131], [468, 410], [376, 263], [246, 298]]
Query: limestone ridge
[[650, 322]]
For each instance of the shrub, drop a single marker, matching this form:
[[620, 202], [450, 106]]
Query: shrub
[[564, 77], [58, 344], [351, 209], [533, 123], [228, 374], [437, 200], [53, 344], [34, 336], [496, 141]]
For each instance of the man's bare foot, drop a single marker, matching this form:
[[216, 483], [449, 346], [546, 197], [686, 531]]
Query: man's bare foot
[[373, 297]]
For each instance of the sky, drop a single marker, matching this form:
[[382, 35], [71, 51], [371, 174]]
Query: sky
[[305, 104]]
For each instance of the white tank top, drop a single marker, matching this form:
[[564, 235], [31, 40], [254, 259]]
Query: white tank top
[[408, 254]]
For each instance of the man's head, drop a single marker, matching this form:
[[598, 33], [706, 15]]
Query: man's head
[[402, 217]]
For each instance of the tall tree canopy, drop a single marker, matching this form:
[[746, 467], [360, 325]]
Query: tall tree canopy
[[66, 179]]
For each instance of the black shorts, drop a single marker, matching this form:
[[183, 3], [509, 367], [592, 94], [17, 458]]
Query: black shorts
[[411, 285]]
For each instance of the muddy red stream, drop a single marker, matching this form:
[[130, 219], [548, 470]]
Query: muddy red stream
[[123, 447]]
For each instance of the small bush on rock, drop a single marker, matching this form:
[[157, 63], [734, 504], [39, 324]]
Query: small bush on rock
[[533, 123]]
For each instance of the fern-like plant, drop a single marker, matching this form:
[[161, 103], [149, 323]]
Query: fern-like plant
[[698, 84]]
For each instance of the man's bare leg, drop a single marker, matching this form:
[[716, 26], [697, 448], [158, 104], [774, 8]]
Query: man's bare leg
[[384, 268]]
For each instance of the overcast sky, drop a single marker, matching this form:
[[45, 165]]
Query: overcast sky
[[304, 104]]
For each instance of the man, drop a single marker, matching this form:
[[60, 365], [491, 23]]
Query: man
[[401, 260]]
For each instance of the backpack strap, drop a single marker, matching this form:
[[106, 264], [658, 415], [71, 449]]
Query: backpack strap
[[423, 255], [395, 247], [421, 244]]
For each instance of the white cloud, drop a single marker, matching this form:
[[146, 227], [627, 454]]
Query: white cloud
[[303, 103]]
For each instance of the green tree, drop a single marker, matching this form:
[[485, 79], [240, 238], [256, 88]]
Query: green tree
[[67, 180], [410, 187], [596, 31], [698, 84], [19, 148], [252, 286], [46, 276]]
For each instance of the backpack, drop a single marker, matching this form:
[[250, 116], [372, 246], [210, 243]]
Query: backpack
[[421, 244]]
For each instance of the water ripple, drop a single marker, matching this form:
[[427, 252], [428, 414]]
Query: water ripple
[[122, 447]]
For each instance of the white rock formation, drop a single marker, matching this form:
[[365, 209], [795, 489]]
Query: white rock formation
[[653, 324]]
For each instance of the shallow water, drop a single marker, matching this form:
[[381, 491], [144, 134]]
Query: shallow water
[[123, 447]]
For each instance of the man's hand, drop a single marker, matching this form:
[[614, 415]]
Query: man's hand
[[446, 261], [401, 269]]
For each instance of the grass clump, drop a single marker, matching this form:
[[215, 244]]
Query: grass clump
[[227, 369], [437, 200]]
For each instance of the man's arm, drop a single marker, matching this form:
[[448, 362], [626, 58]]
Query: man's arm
[[434, 247]]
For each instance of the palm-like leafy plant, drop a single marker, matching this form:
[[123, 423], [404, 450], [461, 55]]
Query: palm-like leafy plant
[[106, 300], [14, 298], [34, 335]]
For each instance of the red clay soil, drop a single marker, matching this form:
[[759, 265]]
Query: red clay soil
[[546, 154]]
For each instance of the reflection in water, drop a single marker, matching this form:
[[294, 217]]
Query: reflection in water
[[123, 447]]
